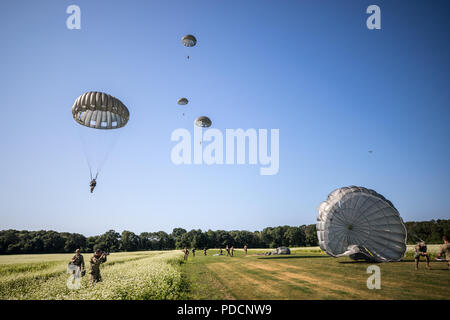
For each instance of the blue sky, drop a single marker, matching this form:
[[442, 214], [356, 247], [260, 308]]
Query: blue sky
[[311, 69]]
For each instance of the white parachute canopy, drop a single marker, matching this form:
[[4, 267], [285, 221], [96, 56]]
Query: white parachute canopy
[[361, 223]]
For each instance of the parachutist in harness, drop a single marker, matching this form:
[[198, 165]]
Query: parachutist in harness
[[107, 113], [93, 184]]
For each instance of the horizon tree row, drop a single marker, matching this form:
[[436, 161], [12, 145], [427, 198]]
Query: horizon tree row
[[15, 241]]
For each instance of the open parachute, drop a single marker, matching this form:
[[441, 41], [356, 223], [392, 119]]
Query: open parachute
[[98, 114], [189, 40], [203, 122], [100, 111], [361, 223], [183, 101]]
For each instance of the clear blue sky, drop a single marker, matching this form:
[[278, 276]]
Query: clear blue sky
[[312, 69]]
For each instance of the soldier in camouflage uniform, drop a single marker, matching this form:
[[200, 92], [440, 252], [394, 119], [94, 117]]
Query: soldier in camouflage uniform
[[421, 251], [186, 253], [445, 250], [97, 259], [78, 260]]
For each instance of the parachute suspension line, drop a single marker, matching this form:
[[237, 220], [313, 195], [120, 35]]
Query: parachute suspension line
[[110, 147], [85, 151]]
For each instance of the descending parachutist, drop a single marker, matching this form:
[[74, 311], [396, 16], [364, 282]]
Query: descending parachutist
[[93, 184], [99, 111]]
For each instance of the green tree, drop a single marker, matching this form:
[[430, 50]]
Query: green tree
[[129, 241], [109, 241]]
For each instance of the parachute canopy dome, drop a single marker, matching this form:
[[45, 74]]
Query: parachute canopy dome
[[183, 101], [203, 122], [99, 110], [189, 40], [361, 223]]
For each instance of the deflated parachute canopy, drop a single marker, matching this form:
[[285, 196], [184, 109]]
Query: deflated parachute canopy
[[361, 223], [99, 110], [183, 101], [189, 40], [203, 122], [283, 250]]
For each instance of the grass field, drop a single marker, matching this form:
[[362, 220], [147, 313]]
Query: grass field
[[309, 274], [305, 274], [135, 275]]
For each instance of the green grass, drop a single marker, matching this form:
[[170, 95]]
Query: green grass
[[307, 273], [310, 274]]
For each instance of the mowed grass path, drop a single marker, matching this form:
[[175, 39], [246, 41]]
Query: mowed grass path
[[309, 274]]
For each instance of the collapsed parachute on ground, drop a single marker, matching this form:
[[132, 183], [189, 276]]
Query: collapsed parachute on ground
[[189, 40], [361, 223], [183, 101], [283, 250], [99, 110], [203, 122], [277, 251]]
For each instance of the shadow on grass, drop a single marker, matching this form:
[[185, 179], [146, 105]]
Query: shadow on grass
[[372, 262], [359, 261], [291, 257]]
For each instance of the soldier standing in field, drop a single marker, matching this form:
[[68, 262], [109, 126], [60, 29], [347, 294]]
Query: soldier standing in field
[[204, 251], [193, 252], [186, 253], [421, 251], [78, 260], [445, 249], [97, 259], [245, 249], [227, 250], [232, 250]]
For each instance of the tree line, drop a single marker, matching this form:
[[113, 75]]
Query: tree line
[[15, 241]]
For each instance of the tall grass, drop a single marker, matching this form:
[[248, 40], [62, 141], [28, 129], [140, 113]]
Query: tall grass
[[149, 276]]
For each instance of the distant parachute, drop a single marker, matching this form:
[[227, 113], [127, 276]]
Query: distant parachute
[[183, 101], [189, 40], [203, 122], [361, 223], [99, 110]]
